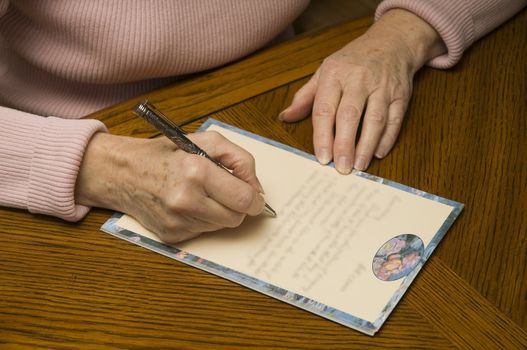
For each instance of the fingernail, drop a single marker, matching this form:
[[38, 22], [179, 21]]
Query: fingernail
[[380, 155], [361, 163], [344, 165], [262, 203], [281, 115], [323, 156], [260, 188]]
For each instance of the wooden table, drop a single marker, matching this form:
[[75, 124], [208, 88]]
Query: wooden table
[[68, 285]]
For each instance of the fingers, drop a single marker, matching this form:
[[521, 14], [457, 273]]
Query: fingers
[[382, 124], [206, 198], [232, 192], [321, 95], [373, 126], [302, 102], [324, 110], [396, 113], [217, 214], [179, 195], [170, 238], [188, 211], [202, 178], [232, 156], [191, 208], [371, 76], [347, 123], [178, 229]]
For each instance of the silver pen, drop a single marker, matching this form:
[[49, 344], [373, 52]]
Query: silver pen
[[167, 127]]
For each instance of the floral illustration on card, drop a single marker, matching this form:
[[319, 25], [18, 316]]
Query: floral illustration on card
[[396, 258]]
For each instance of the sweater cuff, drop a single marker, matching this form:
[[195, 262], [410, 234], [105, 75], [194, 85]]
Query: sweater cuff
[[451, 19], [57, 155]]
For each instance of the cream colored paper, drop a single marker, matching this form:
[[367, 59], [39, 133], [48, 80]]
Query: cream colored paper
[[328, 229]]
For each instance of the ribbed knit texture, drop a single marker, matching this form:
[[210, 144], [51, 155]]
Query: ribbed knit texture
[[40, 160], [68, 58], [458, 22]]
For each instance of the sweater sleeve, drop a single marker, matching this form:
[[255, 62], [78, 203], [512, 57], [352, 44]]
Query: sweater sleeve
[[459, 23], [39, 162]]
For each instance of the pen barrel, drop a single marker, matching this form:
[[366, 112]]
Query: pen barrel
[[167, 128], [153, 119]]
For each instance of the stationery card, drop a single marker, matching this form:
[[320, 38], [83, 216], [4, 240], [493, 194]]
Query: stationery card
[[343, 247]]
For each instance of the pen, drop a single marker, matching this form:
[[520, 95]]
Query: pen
[[167, 127]]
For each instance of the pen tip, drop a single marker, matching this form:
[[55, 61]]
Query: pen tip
[[270, 211]]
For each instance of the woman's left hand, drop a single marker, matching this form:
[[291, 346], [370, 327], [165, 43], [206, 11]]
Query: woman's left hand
[[373, 76]]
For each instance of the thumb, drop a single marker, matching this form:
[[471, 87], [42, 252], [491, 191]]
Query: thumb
[[302, 103]]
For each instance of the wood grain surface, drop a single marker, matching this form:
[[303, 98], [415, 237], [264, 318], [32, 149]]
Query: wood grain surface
[[66, 286]]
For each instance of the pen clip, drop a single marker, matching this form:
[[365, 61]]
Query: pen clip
[[144, 107], [167, 127]]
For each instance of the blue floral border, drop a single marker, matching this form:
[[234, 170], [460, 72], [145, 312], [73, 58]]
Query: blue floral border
[[279, 293]]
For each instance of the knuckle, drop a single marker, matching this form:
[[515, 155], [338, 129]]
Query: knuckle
[[170, 232], [342, 145], [210, 140], [193, 168], [215, 136], [376, 117], [349, 113], [363, 155], [176, 231], [330, 65], [162, 234], [171, 227], [171, 239], [181, 200], [323, 109], [394, 121]]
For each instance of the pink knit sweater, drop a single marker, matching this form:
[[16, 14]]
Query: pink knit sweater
[[68, 58]]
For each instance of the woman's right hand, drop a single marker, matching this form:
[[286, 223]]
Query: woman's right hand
[[175, 194]]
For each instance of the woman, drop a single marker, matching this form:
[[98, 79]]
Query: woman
[[69, 58]]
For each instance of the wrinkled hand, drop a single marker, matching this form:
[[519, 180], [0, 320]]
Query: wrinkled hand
[[371, 77], [175, 194]]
